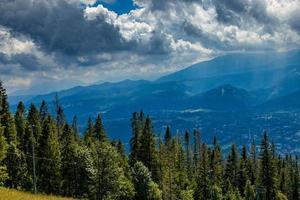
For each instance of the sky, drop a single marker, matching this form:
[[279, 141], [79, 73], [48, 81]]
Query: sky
[[50, 45]]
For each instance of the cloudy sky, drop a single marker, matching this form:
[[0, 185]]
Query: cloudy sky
[[54, 44]]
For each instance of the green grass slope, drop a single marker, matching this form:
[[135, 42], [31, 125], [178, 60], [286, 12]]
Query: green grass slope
[[10, 194]]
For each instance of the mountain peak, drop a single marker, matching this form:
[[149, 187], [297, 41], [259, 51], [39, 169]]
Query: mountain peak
[[224, 97], [226, 90]]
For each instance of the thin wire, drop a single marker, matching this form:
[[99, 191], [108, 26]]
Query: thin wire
[[48, 159]]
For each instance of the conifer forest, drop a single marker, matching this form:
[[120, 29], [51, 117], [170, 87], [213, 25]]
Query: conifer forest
[[43, 153]]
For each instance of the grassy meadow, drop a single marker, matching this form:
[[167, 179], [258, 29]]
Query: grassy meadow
[[10, 194]]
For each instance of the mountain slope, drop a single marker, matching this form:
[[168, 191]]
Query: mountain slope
[[290, 102], [248, 71], [223, 98], [289, 84]]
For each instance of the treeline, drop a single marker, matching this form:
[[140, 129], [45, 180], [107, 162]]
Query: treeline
[[43, 153]]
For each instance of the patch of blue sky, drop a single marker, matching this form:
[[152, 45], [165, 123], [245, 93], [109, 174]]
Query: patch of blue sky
[[118, 6]]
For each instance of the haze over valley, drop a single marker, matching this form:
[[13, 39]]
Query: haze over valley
[[235, 97]]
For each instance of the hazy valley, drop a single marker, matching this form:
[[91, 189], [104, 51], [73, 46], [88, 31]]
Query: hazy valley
[[235, 97]]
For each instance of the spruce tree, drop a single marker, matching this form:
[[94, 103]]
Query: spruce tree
[[231, 169], [202, 191], [267, 171], [15, 165], [253, 164], [3, 145], [49, 164], [5, 116], [169, 160], [188, 152], [216, 163], [135, 141], [69, 162], [99, 133], [88, 135], [44, 113], [29, 148], [6, 119], [10, 131], [121, 150], [196, 150], [20, 122], [14, 160], [148, 153], [33, 133], [283, 182], [180, 179], [3, 150], [34, 125], [76, 128], [168, 136], [161, 162], [243, 173], [60, 116]]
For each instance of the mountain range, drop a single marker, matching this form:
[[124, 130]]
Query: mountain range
[[233, 96]]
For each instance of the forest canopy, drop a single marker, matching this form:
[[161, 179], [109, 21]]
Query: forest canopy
[[43, 153]]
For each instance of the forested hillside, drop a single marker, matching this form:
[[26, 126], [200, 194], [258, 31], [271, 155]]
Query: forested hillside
[[42, 153]]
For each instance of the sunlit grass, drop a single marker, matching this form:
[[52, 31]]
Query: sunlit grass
[[10, 194]]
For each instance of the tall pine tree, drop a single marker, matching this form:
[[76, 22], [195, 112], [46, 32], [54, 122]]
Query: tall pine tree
[[267, 170], [135, 141], [44, 113], [69, 162], [148, 153], [3, 149], [216, 163], [99, 133], [49, 176], [231, 169], [202, 191]]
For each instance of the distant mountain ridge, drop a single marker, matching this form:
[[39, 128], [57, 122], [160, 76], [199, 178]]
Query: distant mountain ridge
[[273, 74], [249, 71], [207, 95], [234, 64]]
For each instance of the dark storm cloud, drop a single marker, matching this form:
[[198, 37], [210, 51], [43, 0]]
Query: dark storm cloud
[[228, 12], [60, 28], [207, 40], [294, 21], [57, 25], [24, 61], [236, 12], [158, 44]]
